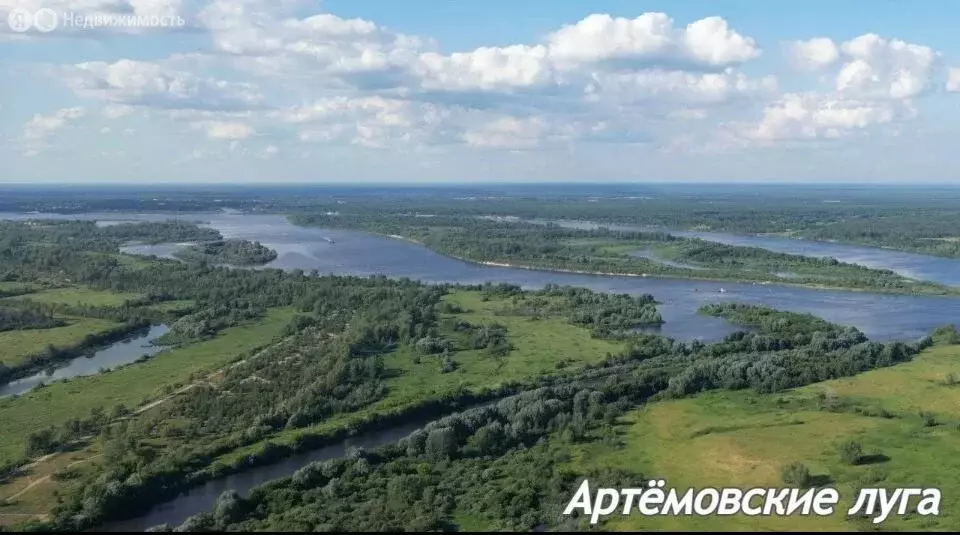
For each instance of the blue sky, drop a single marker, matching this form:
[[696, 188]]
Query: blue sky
[[460, 91]]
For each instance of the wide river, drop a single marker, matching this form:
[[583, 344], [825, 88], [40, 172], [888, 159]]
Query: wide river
[[344, 252]]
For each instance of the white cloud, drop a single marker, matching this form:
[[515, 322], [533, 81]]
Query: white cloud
[[487, 68], [815, 53], [816, 116], [953, 79], [129, 82], [881, 68], [507, 133], [41, 126], [269, 152], [650, 37], [226, 130], [116, 111], [272, 70], [368, 121], [678, 87]]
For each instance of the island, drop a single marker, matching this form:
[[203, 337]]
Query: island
[[232, 251]]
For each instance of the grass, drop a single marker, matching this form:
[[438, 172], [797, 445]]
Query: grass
[[174, 306], [742, 439], [77, 296], [16, 346], [39, 499], [132, 385], [538, 346]]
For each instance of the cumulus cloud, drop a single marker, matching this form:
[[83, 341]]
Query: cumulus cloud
[[817, 116], [487, 68], [129, 82], [883, 68], [322, 78], [815, 53], [359, 54], [41, 126], [650, 37], [367, 121], [678, 87]]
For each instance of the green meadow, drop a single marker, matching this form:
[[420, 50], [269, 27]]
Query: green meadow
[[16, 346], [131, 385], [538, 346], [743, 439], [78, 296]]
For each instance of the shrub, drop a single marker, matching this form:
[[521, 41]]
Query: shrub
[[929, 420], [795, 475], [851, 452]]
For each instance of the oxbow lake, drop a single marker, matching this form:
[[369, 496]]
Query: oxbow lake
[[116, 354]]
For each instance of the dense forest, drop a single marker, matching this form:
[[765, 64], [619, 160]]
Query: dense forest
[[233, 252], [22, 318], [604, 250]]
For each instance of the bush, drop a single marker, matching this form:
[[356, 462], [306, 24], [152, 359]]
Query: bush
[[929, 420], [795, 475], [851, 452], [448, 365], [946, 334]]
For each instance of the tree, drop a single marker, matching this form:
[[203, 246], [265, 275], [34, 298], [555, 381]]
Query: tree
[[441, 443]]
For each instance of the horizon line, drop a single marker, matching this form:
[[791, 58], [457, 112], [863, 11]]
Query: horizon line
[[485, 183]]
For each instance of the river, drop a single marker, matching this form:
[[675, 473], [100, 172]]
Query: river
[[118, 353], [345, 252], [203, 497]]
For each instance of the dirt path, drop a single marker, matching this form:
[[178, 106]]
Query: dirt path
[[190, 386], [137, 412], [44, 479]]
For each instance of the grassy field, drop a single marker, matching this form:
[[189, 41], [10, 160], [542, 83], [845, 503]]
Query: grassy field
[[77, 296], [15, 346], [538, 346], [131, 385], [743, 439], [34, 492], [173, 306]]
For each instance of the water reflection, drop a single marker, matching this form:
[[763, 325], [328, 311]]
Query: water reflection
[[122, 352]]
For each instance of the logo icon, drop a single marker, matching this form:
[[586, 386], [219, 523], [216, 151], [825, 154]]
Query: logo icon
[[20, 20], [45, 20]]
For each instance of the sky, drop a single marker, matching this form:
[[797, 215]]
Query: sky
[[464, 91]]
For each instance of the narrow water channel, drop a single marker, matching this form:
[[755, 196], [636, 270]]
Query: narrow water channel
[[118, 353]]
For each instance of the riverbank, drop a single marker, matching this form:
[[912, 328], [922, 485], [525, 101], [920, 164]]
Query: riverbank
[[945, 291], [56, 357]]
